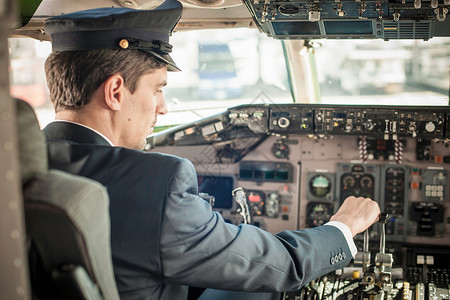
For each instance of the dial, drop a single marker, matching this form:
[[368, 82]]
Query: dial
[[348, 181], [283, 122], [366, 181], [320, 186], [318, 213], [280, 150], [256, 201], [430, 127]]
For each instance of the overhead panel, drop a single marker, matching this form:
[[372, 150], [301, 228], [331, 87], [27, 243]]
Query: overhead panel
[[339, 19]]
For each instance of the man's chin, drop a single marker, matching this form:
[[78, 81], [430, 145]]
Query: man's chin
[[142, 146]]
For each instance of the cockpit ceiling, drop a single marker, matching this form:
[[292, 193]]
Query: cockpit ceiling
[[197, 14]]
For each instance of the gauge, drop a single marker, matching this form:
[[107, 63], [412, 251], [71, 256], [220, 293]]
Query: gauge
[[318, 213], [348, 181], [320, 186], [366, 181], [280, 149], [256, 201]]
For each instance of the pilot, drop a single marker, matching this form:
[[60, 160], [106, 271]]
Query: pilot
[[106, 77]]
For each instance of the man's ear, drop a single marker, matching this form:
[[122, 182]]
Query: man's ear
[[114, 88]]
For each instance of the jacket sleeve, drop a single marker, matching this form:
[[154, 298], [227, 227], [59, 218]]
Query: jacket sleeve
[[199, 248]]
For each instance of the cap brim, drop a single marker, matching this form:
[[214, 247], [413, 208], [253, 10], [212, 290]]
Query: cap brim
[[171, 66]]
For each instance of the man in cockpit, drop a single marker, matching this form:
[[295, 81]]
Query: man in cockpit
[[106, 76]]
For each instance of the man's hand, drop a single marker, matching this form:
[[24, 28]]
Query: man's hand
[[357, 213]]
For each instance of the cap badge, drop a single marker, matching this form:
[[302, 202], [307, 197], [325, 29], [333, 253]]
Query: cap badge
[[124, 44]]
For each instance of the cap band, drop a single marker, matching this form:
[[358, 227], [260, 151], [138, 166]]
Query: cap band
[[101, 39], [156, 46]]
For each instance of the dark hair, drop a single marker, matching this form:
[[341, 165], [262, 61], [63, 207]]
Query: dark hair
[[73, 76]]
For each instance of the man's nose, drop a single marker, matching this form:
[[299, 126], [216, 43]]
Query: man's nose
[[162, 107]]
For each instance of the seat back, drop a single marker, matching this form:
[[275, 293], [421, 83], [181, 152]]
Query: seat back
[[67, 222]]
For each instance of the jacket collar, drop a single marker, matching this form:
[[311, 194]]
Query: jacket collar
[[61, 130]]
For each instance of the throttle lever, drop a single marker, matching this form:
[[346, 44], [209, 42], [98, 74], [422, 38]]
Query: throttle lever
[[383, 260], [383, 219], [363, 258]]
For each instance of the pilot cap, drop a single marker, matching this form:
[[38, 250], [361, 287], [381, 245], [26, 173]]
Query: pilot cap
[[117, 28]]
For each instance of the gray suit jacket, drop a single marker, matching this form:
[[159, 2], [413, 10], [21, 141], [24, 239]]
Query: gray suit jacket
[[164, 237]]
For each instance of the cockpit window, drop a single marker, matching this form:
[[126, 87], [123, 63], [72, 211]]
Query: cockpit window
[[228, 67], [223, 68], [220, 69], [400, 72]]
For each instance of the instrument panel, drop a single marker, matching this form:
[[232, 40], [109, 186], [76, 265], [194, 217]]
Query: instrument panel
[[297, 164]]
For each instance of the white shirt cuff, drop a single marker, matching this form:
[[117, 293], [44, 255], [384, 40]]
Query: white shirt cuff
[[347, 234]]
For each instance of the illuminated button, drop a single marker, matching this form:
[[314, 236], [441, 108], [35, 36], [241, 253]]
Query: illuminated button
[[420, 259], [189, 130], [254, 198]]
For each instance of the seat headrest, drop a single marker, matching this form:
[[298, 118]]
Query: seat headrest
[[32, 148]]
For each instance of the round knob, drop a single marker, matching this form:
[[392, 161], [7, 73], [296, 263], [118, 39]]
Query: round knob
[[412, 127], [348, 127], [283, 122], [319, 117], [430, 127], [369, 125]]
